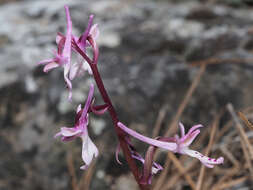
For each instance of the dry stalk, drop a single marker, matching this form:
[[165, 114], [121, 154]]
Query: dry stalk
[[230, 156], [245, 120], [172, 127], [182, 170], [231, 183], [210, 144], [244, 139], [160, 182], [85, 180], [174, 179], [213, 61], [71, 170], [189, 93], [226, 174], [160, 118]]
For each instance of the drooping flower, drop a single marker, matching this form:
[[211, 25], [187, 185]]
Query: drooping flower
[[177, 145], [80, 129], [63, 55]]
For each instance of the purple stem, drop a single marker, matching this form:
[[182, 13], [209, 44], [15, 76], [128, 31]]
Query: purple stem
[[120, 133]]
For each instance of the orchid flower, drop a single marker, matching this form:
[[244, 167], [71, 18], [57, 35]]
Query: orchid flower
[[81, 66], [185, 141], [63, 55], [177, 145], [91, 34], [89, 149]]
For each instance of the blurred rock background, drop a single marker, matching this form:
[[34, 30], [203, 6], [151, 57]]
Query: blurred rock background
[[147, 49]]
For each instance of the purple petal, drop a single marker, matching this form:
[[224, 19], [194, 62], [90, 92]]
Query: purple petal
[[67, 80], [182, 129], [82, 40], [79, 107], [99, 110], [89, 150], [50, 66], [69, 132], [57, 134], [117, 154], [94, 31], [84, 167], [65, 139], [74, 70], [59, 37], [165, 145], [190, 138], [67, 46], [46, 61], [192, 129], [87, 105], [207, 161], [86, 67]]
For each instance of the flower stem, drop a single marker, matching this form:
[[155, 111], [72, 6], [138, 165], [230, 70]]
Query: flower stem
[[120, 133]]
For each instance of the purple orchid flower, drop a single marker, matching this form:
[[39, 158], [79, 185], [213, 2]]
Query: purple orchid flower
[[63, 55], [185, 141], [81, 66], [180, 145], [89, 149], [91, 34], [82, 40]]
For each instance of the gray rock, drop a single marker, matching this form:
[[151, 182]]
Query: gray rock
[[145, 50]]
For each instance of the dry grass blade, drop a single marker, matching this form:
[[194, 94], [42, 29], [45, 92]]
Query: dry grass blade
[[159, 121], [225, 176], [242, 133], [71, 170], [213, 61], [173, 180], [159, 183], [172, 128], [245, 120], [230, 156], [84, 183], [182, 170], [231, 183], [244, 139], [210, 144]]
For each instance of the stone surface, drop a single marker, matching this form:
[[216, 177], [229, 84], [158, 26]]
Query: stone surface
[[145, 51]]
